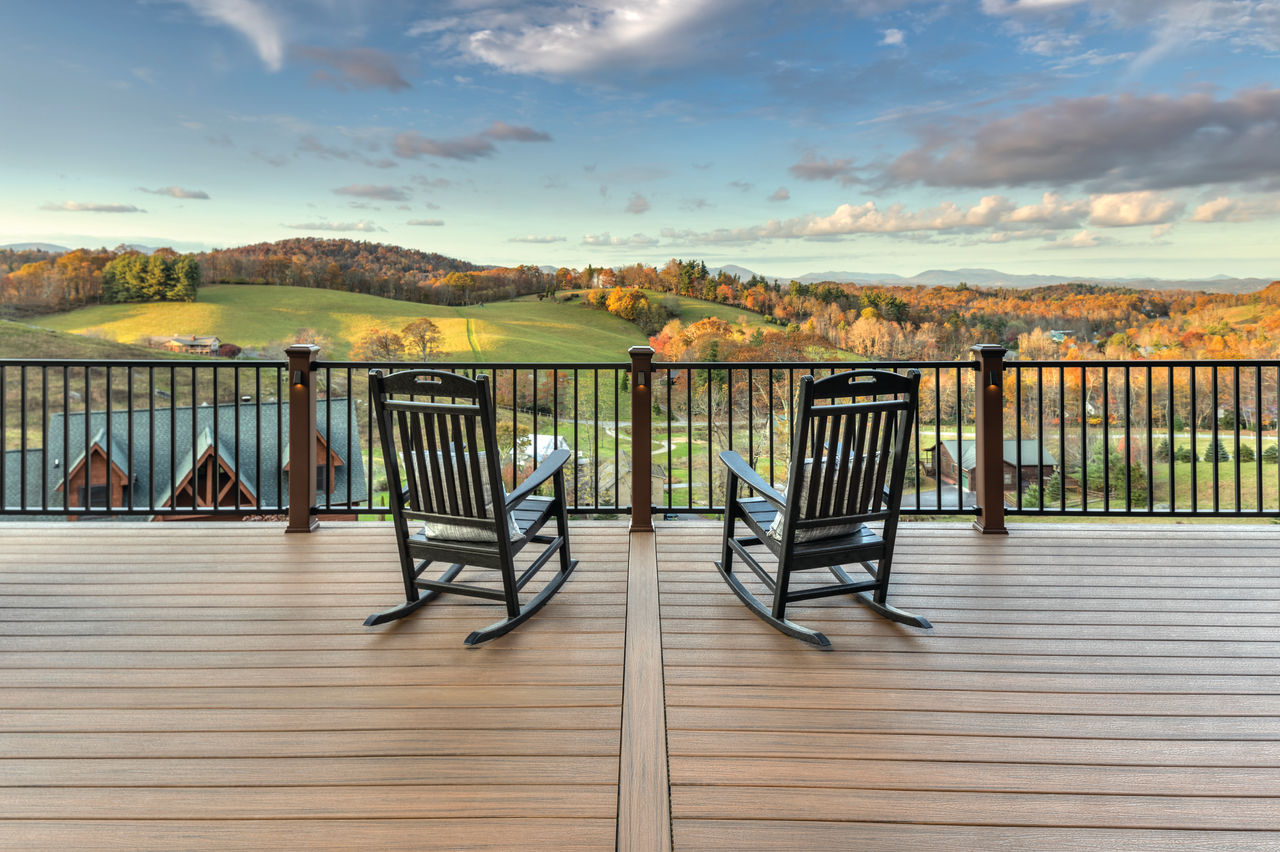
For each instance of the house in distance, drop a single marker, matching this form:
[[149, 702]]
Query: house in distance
[[232, 456]]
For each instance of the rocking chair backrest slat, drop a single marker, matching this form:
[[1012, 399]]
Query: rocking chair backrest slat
[[440, 447], [846, 450]]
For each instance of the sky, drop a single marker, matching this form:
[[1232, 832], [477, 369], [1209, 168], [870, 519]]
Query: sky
[[1121, 138]]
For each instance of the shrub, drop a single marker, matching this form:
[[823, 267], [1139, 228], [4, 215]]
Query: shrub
[[1182, 454], [1271, 454], [1246, 453], [1161, 453]]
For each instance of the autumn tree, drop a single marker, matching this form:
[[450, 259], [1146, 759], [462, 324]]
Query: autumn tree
[[378, 344], [422, 336]]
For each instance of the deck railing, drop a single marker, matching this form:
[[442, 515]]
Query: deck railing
[[178, 439]]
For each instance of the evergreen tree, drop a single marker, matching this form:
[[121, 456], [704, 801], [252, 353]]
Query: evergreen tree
[[186, 279], [1052, 491], [157, 279], [1161, 453], [1218, 451], [1271, 454], [1246, 454], [1182, 454]]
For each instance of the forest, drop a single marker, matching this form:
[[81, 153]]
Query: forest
[[875, 321]]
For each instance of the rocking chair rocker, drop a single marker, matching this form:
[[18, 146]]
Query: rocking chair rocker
[[848, 463], [447, 450]]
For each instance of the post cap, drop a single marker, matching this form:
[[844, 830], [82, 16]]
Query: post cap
[[302, 350]]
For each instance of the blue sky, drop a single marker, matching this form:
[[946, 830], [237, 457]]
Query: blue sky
[[1081, 137]]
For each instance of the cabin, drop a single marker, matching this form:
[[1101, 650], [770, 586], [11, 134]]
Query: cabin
[[956, 462], [228, 455], [191, 344]]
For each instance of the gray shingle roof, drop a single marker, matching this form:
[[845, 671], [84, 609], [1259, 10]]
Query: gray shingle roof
[[164, 441], [967, 453]]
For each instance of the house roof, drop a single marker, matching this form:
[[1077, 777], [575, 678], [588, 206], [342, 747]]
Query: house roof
[[967, 452], [166, 442]]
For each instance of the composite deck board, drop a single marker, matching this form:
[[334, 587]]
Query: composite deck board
[[1076, 692], [212, 685]]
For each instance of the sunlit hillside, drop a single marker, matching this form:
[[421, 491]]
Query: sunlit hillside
[[268, 318]]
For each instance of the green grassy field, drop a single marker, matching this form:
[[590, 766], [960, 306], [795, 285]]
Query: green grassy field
[[20, 340], [255, 316]]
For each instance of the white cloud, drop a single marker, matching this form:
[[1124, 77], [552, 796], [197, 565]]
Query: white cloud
[[597, 35], [1122, 209], [252, 20], [1225, 209], [1009, 220], [892, 38], [1079, 240], [375, 192], [362, 226], [536, 239], [90, 207], [637, 204], [781, 194], [426, 223], [606, 239], [177, 192]]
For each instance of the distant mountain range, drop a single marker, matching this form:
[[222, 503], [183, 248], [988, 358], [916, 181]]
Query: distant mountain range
[[976, 277], [49, 247], [996, 278], [57, 249]]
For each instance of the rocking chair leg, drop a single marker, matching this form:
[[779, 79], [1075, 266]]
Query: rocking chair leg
[[790, 628], [880, 606], [408, 607], [892, 612], [506, 625]]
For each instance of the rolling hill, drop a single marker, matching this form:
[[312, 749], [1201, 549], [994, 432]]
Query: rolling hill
[[21, 340], [266, 318]]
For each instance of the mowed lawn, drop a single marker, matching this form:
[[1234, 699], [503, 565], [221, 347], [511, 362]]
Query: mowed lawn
[[256, 316]]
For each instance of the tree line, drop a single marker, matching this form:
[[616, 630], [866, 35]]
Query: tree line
[[40, 282]]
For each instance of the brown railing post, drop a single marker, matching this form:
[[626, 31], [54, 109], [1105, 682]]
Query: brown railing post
[[641, 438], [989, 401], [302, 437]]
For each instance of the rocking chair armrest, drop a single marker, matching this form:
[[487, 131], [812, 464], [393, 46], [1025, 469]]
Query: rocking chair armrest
[[550, 466], [738, 467]]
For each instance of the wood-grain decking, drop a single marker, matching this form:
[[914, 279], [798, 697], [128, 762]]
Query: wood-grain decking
[[172, 686], [1101, 687]]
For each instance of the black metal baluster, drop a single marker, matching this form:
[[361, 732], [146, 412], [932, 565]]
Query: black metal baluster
[[1151, 458], [1040, 438], [1195, 451], [1017, 434], [1169, 427], [1062, 438], [1217, 439], [1106, 441], [44, 442], [1235, 422], [1257, 424], [130, 478]]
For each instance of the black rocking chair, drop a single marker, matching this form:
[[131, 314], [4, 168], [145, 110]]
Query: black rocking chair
[[848, 463], [443, 475]]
